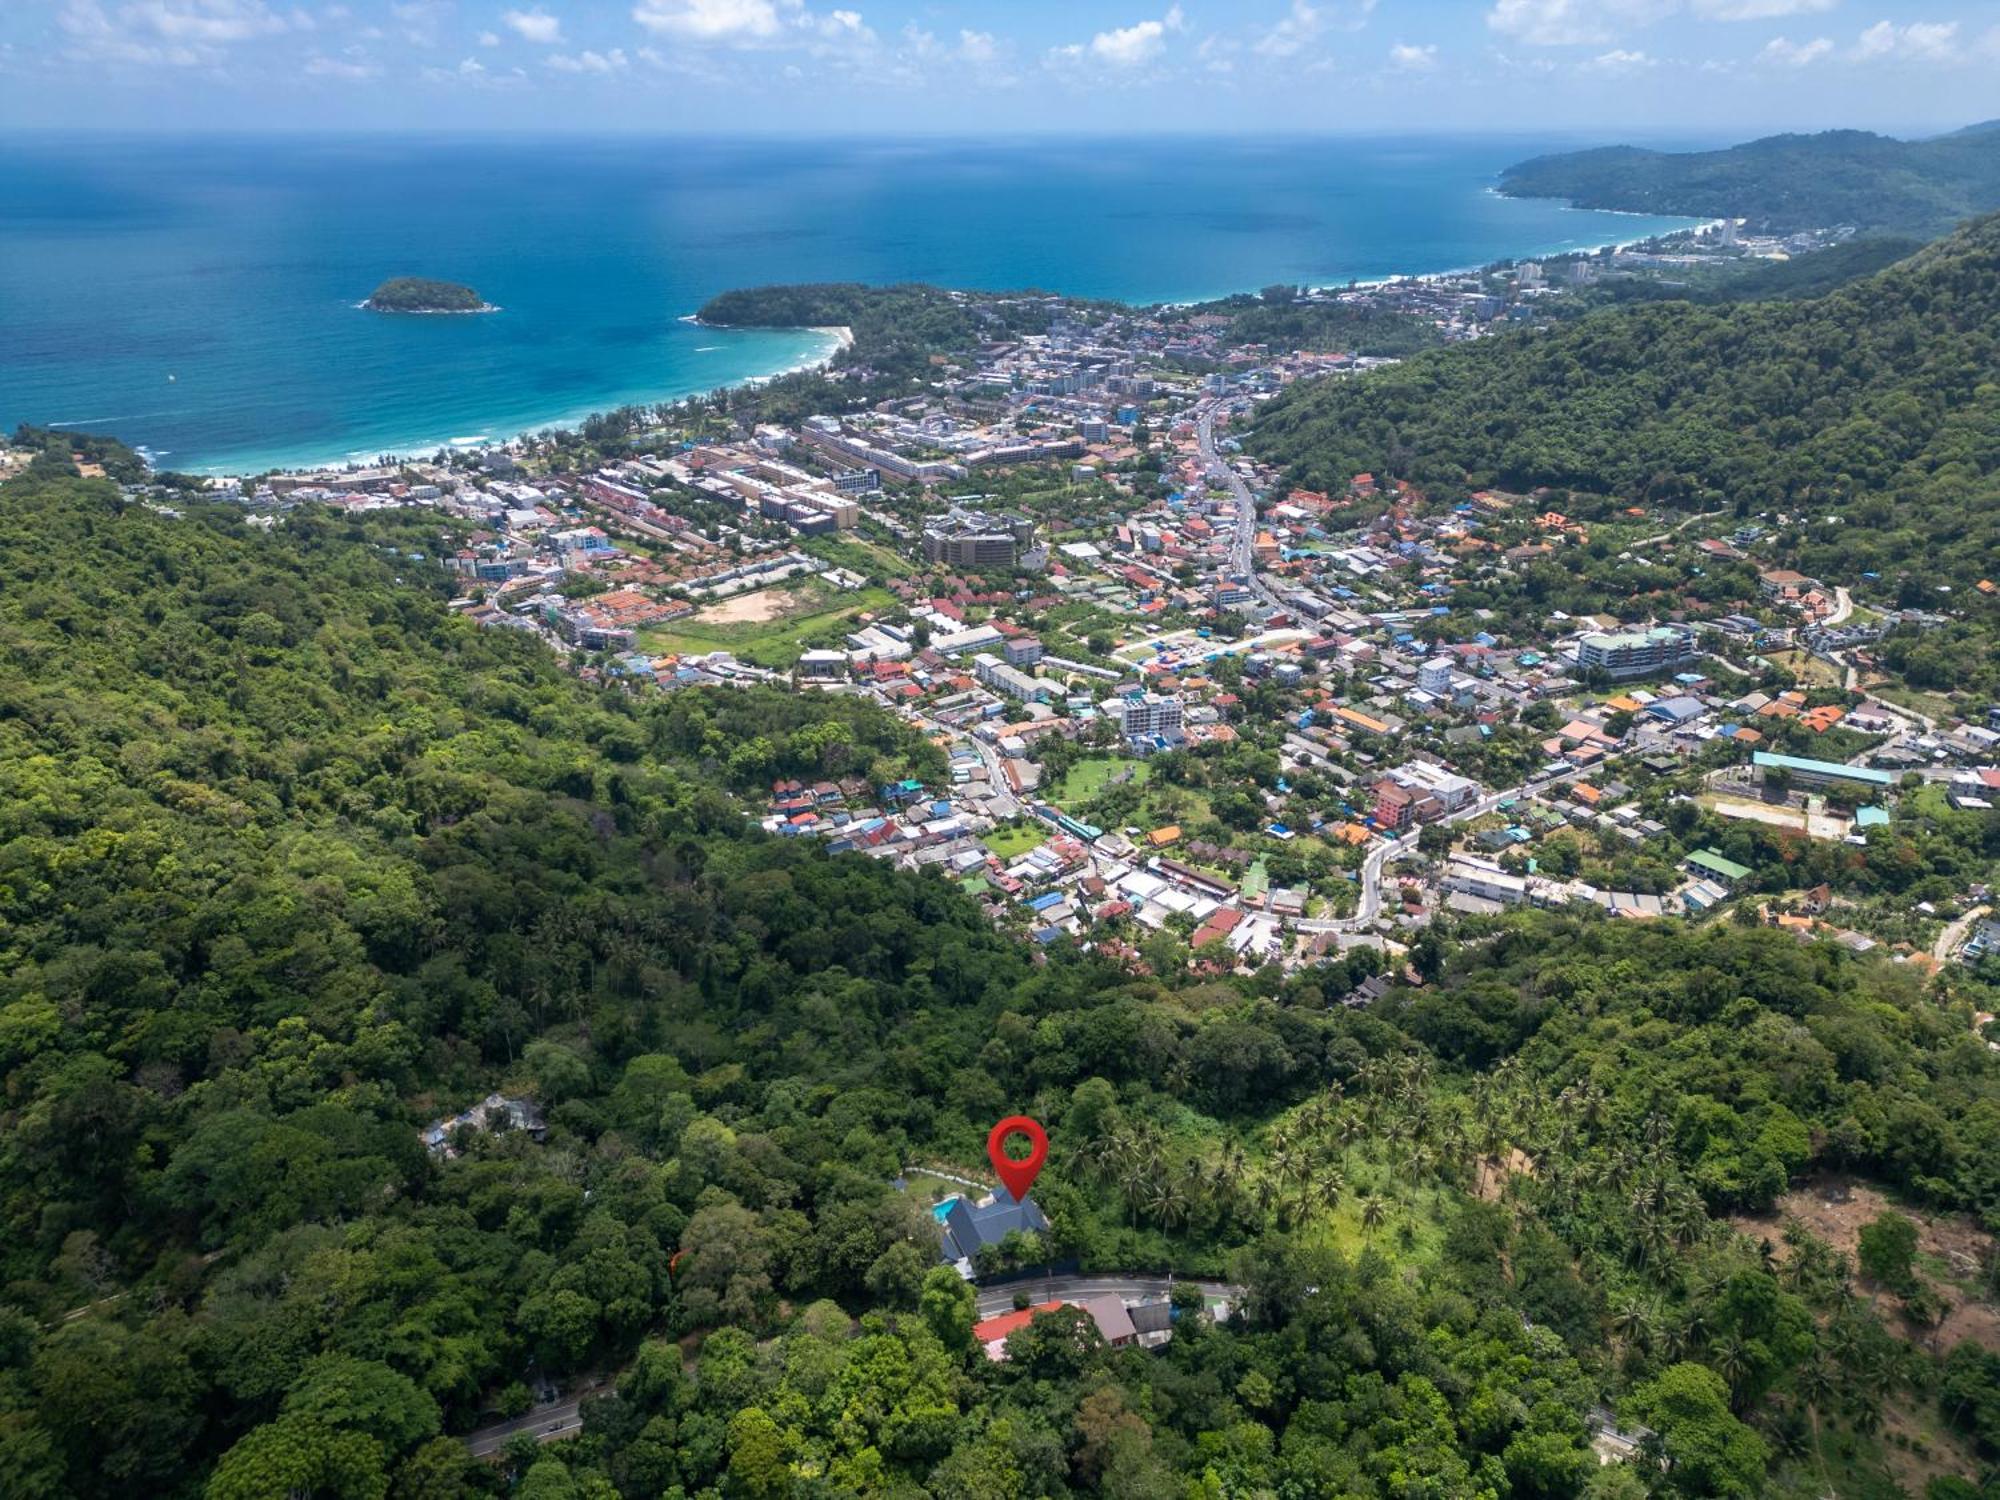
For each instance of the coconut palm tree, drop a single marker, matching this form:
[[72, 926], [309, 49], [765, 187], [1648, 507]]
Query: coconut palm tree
[[1814, 1383], [1168, 1202], [1327, 1192], [1374, 1213], [1732, 1362], [1635, 1320]]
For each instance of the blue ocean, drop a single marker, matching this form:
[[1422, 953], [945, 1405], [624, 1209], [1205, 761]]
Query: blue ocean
[[199, 297]]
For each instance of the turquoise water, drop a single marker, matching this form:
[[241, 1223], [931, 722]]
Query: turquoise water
[[197, 297]]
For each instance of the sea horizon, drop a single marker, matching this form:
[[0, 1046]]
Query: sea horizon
[[196, 295]]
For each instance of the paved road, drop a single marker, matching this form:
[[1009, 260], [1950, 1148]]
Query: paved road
[[559, 1419], [1843, 608], [1006, 804], [563, 1418], [992, 1301], [1952, 936], [1370, 905], [1661, 536], [1243, 548]]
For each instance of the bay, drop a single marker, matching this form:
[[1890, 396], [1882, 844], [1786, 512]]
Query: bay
[[198, 296]]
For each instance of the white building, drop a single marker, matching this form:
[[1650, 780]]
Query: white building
[[1484, 878], [1144, 715]]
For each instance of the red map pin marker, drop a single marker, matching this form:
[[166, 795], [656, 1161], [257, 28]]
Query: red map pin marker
[[1019, 1176]]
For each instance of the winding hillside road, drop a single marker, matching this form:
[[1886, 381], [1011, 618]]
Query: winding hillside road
[[564, 1418]]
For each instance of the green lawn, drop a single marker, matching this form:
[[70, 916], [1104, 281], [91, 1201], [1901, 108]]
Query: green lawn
[[850, 551], [1089, 777], [817, 612], [1017, 840]]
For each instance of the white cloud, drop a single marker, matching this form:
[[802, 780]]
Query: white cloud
[[710, 20], [1293, 34], [839, 31], [1572, 23], [421, 20], [1919, 41], [473, 74], [536, 26], [978, 47], [1617, 61], [1125, 47], [1758, 10], [169, 33], [204, 21], [334, 67], [613, 61], [1781, 52], [489, 39], [1405, 58]]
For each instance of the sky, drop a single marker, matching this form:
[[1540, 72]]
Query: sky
[[1649, 69]]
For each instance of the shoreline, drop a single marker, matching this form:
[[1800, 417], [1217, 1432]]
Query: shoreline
[[420, 450], [365, 305], [841, 339], [1697, 226]]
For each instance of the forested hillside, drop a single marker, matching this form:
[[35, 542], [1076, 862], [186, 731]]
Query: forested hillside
[[1870, 417], [293, 861], [1277, 317], [1786, 182]]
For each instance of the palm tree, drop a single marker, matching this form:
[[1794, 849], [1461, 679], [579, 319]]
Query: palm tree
[[1374, 1213], [1815, 1387], [1693, 1329], [1136, 1178], [1691, 1223], [1732, 1363], [1634, 1322], [1419, 1163], [1168, 1202], [1330, 1188]]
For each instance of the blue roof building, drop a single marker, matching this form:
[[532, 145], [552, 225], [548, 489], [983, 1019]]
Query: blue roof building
[[967, 1227]]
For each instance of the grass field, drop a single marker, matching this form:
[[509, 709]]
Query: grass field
[[806, 612], [1089, 777], [850, 551], [1013, 842], [1809, 669]]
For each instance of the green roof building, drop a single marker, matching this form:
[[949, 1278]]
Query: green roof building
[[1708, 862], [1823, 772]]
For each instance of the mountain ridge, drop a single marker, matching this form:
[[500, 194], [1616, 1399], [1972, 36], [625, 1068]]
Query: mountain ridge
[[1781, 183]]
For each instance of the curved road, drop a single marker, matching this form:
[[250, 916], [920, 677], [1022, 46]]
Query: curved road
[[1243, 560], [1949, 940], [563, 1418], [1243, 546], [992, 1301], [1371, 868]]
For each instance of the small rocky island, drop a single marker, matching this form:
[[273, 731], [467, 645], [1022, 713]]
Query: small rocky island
[[419, 294]]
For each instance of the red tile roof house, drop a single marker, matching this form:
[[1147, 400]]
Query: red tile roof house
[[1114, 1324]]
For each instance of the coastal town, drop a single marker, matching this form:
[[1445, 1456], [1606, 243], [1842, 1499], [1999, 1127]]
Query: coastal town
[[897, 780], [1191, 716]]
